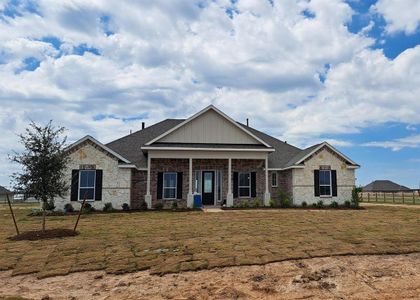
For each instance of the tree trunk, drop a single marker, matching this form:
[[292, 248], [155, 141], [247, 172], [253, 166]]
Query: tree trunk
[[43, 219], [44, 213]]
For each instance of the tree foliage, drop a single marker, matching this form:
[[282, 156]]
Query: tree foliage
[[43, 162]]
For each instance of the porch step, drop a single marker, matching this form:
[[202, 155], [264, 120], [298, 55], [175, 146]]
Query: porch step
[[212, 209]]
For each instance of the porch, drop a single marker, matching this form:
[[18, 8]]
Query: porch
[[219, 180]]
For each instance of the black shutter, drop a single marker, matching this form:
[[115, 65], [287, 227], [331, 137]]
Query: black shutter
[[253, 184], [74, 185], [98, 185], [316, 182], [235, 184], [159, 185], [334, 182], [179, 185]]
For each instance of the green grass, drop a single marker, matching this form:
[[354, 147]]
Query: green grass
[[167, 242]]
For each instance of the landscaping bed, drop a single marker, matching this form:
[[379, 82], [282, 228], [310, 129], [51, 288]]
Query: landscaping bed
[[35, 235]]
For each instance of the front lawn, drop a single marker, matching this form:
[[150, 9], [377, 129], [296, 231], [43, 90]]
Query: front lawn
[[166, 242]]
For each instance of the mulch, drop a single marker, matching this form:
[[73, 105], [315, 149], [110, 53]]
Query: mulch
[[41, 235]]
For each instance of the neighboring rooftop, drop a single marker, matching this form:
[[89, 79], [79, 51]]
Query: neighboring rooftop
[[384, 186], [4, 191]]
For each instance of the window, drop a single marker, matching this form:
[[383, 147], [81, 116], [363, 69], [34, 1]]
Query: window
[[274, 179], [244, 185], [169, 185], [325, 183], [87, 180]]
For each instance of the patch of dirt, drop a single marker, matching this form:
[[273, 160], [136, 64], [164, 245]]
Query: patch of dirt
[[346, 277], [41, 235]]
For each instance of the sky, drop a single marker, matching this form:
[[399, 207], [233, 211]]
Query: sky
[[346, 72]]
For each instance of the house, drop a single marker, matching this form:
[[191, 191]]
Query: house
[[209, 153], [380, 186], [3, 192]]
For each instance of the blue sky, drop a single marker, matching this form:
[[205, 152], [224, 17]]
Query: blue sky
[[347, 72]]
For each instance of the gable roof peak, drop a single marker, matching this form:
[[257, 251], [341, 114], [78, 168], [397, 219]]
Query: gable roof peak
[[201, 112]]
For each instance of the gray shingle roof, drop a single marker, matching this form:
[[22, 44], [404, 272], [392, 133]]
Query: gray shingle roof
[[129, 146], [301, 155], [283, 151], [384, 186]]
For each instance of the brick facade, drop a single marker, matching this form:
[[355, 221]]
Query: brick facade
[[138, 188], [284, 183], [182, 165]]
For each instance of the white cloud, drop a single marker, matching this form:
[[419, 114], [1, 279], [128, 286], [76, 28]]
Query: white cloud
[[412, 141], [400, 15], [172, 58]]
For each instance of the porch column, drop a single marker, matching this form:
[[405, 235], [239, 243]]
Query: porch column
[[229, 197], [148, 197], [267, 195], [190, 197]]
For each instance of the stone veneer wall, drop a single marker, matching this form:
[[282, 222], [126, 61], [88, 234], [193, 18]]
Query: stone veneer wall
[[303, 179], [182, 165], [116, 182]]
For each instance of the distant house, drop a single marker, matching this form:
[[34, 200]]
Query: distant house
[[384, 186], [3, 192]]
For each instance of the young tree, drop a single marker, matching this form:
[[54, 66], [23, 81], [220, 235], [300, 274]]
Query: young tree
[[43, 163]]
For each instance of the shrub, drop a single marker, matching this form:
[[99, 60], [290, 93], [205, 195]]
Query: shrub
[[174, 205], [334, 204], [158, 206], [347, 203], [49, 205], [272, 203], [68, 208], [125, 207], [313, 204], [304, 204], [257, 203], [355, 196], [108, 207], [143, 206], [320, 204], [88, 208], [245, 204], [284, 198], [285, 202]]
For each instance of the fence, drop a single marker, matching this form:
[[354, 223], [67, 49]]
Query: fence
[[407, 197]]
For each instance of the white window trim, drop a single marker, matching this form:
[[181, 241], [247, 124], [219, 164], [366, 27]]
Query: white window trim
[[330, 185], [244, 186], [176, 186], [277, 179], [94, 185]]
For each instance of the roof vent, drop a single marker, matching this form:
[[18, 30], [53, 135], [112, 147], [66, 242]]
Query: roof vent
[[143, 125], [247, 122]]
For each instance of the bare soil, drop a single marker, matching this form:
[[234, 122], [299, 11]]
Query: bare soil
[[341, 277]]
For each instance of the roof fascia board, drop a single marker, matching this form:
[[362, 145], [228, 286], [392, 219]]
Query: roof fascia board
[[95, 141], [207, 149], [287, 168], [199, 114]]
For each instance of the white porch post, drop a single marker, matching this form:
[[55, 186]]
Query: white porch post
[[229, 197], [190, 197], [148, 197], [267, 195]]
